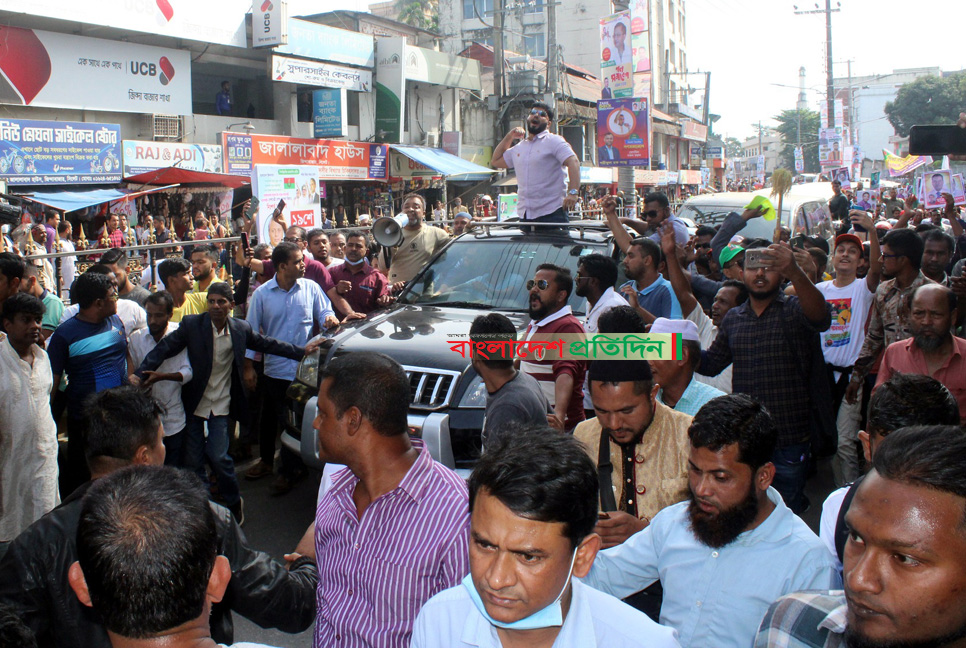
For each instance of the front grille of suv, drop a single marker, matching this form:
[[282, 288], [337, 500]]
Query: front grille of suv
[[430, 388]]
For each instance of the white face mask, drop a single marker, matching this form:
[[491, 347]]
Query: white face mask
[[548, 617]]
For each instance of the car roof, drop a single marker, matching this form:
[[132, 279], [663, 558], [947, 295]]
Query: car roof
[[592, 232]]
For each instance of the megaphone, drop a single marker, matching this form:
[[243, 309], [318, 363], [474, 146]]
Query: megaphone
[[388, 231]]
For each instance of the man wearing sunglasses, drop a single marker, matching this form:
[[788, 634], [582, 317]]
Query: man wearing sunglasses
[[546, 194], [562, 381]]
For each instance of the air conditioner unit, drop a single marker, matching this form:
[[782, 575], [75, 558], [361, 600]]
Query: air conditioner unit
[[432, 139], [166, 127]]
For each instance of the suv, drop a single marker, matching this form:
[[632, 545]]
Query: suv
[[478, 272]]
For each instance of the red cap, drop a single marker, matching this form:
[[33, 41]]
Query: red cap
[[848, 238]]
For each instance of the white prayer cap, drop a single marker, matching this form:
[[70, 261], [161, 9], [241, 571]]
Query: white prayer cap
[[687, 329]]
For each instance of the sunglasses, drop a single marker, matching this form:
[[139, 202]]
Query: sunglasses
[[650, 214], [537, 111], [542, 284], [292, 239]]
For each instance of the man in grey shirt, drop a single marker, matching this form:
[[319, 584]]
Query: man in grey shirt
[[513, 397]]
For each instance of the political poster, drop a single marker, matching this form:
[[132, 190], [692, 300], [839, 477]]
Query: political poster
[[623, 132], [49, 152], [874, 179], [508, 206], [298, 186], [641, 48], [830, 147], [616, 60], [935, 185], [866, 199], [841, 174], [959, 193]]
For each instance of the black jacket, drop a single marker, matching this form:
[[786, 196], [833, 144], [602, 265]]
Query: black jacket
[[33, 581], [194, 333]]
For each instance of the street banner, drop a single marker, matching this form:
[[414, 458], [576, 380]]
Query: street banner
[[959, 194], [316, 73], [508, 206], [298, 186], [902, 165], [616, 61], [641, 48], [623, 132], [222, 22], [936, 184], [48, 69], [830, 147], [329, 115], [336, 159], [140, 157], [48, 152]]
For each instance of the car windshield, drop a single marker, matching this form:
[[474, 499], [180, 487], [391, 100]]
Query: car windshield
[[493, 273]]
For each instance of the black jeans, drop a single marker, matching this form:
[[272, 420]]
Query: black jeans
[[273, 419]]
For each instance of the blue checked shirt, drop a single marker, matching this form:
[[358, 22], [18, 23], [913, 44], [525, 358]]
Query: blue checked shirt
[[805, 620]]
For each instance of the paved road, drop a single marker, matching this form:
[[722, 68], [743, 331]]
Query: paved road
[[275, 525]]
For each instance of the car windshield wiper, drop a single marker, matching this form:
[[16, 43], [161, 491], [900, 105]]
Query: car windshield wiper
[[457, 304]]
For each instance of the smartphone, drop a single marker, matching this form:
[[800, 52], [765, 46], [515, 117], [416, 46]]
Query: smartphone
[[252, 207], [856, 226], [756, 258], [937, 140], [246, 244], [279, 207]]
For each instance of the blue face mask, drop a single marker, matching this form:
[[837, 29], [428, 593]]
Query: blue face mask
[[354, 263], [548, 617]]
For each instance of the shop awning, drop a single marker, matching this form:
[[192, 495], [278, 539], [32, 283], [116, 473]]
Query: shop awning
[[72, 200], [176, 176], [507, 181], [453, 168]]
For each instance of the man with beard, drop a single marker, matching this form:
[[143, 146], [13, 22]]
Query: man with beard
[[644, 467], [772, 341], [889, 320], [420, 242], [647, 290], [561, 380], [933, 350], [539, 161], [722, 555], [905, 578]]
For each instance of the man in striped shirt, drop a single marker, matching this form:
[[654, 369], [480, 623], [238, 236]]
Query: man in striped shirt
[[393, 530]]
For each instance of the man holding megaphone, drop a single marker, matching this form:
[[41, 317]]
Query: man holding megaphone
[[414, 243]]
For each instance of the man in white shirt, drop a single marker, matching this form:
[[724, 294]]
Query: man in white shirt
[[173, 373], [595, 280], [533, 505], [28, 434], [850, 299], [67, 263]]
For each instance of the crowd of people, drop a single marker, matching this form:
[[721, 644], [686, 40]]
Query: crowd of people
[[615, 502]]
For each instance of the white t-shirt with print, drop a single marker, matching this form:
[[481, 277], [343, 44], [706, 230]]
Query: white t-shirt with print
[[842, 342]]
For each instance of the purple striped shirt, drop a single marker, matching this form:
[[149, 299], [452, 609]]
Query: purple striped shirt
[[376, 573]]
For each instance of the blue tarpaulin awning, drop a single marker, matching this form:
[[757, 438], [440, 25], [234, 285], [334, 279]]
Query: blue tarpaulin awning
[[454, 168], [72, 200]]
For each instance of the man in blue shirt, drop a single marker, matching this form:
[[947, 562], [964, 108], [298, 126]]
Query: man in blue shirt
[[733, 548], [647, 291], [91, 348], [288, 308], [533, 507]]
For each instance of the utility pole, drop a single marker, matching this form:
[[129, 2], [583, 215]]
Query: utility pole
[[829, 85], [553, 68], [498, 52]]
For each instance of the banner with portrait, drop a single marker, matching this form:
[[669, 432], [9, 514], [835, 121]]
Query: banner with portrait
[[623, 132]]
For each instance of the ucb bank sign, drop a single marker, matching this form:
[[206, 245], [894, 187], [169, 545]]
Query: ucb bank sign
[[269, 23]]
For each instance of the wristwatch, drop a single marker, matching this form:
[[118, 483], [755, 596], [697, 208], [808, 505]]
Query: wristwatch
[[572, 192]]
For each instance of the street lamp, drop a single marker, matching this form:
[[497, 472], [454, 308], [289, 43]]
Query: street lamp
[[245, 125]]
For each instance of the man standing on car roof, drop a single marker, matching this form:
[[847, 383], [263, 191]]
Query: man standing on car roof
[[539, 162]]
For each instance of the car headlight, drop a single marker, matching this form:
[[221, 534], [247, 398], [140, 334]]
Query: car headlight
[[475, 394], [308, 371]]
